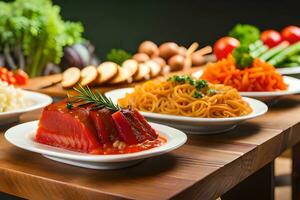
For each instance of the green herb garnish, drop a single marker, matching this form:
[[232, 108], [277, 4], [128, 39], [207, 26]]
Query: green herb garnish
[[197, 95], [69, 105], [198, 84], [87, 96], [118, 56]]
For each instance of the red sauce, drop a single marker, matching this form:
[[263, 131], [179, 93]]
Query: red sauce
[[148, 144]]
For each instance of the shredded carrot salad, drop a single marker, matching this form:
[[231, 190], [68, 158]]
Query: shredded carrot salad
[[261, 76]]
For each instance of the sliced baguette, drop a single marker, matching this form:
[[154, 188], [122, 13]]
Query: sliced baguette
[[70, 77], [155, 68], [107, 71], [143, 72], [122, 76], [131, 65], [88, 75]]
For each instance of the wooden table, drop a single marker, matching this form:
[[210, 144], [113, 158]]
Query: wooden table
[[205, 168]]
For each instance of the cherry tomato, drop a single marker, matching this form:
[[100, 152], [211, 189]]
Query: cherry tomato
[[291, 34], [271, 38], [21, 77], [225, 46]]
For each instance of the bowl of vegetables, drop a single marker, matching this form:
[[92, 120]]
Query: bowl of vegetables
[[281, 49]]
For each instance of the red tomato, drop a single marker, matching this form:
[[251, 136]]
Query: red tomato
[[291, 34], [21, 77], [271, 38], [225, 46]]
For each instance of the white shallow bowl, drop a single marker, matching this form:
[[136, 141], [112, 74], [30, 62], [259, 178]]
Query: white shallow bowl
[[36, 101], [269, 97], [23, 135], [196, 125]]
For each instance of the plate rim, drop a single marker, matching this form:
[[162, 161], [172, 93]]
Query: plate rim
[[198, 119], [47, 100], [178, 140]]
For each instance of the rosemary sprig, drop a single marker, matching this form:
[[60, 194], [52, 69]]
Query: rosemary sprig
[[87, 96]]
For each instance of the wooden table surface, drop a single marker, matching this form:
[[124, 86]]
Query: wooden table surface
[[204, 168]]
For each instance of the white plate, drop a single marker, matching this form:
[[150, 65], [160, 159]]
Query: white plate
[[23, 136], [269, 97], [36, 101], [196, 125]]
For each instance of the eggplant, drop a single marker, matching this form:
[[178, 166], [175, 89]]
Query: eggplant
[[78, 55]]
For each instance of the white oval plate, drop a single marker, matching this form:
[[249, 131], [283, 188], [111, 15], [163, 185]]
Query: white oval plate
[[196, 125], [269, 97], [36, 101], [23, 136]]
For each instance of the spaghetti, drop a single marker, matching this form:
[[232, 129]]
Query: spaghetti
[[261, 76], [186, 97]]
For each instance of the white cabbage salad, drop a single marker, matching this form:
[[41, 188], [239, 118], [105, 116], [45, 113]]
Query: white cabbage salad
[[11, 98]]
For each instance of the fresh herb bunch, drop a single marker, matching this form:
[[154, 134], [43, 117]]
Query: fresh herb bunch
[[245, 33], [198, 84], [87, 96], [32, 34], [118, 56]]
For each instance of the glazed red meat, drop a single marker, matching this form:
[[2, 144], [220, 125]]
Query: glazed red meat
[[83, 129], [105, 126], [133, 127], [69, 129]]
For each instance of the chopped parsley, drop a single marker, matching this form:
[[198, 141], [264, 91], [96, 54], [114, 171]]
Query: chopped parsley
[[197, 95], [200, 85]]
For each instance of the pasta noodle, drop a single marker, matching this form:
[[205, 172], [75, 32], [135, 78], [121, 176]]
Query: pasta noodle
[[261, 76], [169, 97]]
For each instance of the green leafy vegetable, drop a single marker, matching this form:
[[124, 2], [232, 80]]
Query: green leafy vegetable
[[245, 33], [87, 96], [243, 56], [34, 34], [118, 56]]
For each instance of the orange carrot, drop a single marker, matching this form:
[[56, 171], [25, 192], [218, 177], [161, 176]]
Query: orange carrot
[[261, 76]]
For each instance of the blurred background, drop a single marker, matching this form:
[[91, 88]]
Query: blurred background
[[124, 24]]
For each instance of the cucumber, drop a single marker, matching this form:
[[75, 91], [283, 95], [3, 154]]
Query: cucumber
[[292, 64], [295, 58], [255, 45], [273, 51], [284, 54], [256, 53]]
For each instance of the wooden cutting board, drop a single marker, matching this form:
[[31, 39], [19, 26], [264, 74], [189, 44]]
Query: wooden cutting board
[[51, 86]]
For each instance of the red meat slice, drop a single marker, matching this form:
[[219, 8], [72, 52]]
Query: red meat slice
[[124, 128], [105, 126], [69, 129], [151, 133], [132, 127]]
